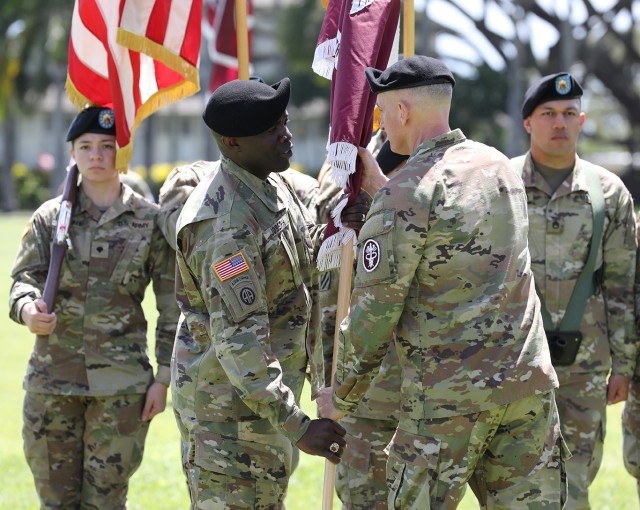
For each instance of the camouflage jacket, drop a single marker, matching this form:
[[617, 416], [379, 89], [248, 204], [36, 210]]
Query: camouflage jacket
[[99, 346], [382, 399], [560, 226], [249, 297], [174, 192], [443, 262]]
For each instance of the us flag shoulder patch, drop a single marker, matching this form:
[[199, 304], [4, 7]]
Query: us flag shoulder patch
[[230, 267]]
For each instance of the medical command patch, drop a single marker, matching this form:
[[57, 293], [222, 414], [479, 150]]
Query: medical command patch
[[230, 267]]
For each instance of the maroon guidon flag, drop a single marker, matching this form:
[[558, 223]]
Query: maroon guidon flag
[[355, 34]]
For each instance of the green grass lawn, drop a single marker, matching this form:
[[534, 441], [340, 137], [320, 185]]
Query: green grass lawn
[[159, 483]]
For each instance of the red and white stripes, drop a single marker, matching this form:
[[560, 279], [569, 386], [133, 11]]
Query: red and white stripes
[[135, 56]]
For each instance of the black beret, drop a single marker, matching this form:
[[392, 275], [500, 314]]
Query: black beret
[[93, 119], [416, 71], [387, 159], [246, 107], [550, 88]]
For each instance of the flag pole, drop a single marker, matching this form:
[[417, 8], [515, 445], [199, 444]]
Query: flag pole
[[409, 31], [242, 38], [344, 298]]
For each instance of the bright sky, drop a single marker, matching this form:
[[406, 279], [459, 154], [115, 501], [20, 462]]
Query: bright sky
[[476, 48]]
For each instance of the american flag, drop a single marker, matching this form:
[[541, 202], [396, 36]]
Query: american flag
[[231, 267], [134, 56]]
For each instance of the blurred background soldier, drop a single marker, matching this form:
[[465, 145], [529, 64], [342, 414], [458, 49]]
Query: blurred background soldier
[[137, 184], [631, 413], [90, 386], [590, 329]]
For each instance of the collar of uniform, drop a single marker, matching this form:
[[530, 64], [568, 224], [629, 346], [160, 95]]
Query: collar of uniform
[[579, 180], [533, 179], [445, 139], [122, 204], [265, 190]]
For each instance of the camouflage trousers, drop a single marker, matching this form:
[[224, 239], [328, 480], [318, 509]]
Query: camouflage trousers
[[582, 404], [235, 466], [83, 450], [631, 432], [512, 456], [361, 475]]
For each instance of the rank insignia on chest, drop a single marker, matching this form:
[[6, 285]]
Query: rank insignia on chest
[[555, 226], [100, 250], [230, 267]]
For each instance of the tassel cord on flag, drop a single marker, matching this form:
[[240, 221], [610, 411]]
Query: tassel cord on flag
[[324, 57], [342, 157]]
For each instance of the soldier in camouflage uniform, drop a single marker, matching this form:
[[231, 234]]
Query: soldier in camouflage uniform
[[90, 388], [631, 413], [443, 264], [361, 475], [245, 251], [173, 195], [560, 227]]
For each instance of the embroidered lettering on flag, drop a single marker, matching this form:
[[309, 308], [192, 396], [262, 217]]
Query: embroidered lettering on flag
[[231, 267]]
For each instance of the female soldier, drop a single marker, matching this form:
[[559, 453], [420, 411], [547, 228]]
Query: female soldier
[[90, 388]]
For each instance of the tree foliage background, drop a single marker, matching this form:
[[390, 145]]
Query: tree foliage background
[[597, 40], [495, 48]]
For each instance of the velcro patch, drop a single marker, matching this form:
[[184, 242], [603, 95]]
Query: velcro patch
[[26, 229], [325, 281], [230, 267]]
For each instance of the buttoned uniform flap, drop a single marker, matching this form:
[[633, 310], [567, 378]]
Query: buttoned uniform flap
[[282, 259], [357, 454], [136, 239], [409, 448], [234, 276], [376, 262], [411, 457], [243, 459]]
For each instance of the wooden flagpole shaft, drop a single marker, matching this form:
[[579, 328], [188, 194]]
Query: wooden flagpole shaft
[[242, 38], [344, 298], [409, 30]]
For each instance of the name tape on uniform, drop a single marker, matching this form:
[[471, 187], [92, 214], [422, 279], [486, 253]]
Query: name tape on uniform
[[230, 267]]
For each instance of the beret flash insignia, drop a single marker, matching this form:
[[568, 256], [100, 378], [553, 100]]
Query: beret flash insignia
[[563, 84]]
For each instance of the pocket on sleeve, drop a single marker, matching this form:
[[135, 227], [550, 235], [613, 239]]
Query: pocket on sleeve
[[234, 275], [376, 262]]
